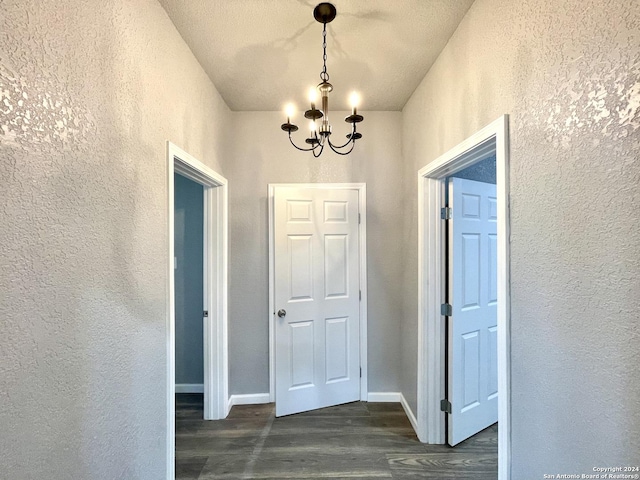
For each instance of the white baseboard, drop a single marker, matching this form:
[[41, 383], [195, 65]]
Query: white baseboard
[[189, 388], [410, 415], [376, 397], [248, 399]]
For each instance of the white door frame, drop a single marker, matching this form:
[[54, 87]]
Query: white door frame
[[362, 252], [215, 291], [431, 284]]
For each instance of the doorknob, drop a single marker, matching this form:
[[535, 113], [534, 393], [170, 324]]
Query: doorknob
[[282, 312]]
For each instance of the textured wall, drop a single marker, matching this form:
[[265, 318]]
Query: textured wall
[[89, 94], [567, 72], [84, 116], [263, 155], [188, 227]]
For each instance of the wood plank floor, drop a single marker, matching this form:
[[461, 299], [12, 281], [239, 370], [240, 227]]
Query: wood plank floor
[[353, 441]]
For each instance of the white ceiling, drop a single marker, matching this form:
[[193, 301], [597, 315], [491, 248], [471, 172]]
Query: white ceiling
[[261, 54]]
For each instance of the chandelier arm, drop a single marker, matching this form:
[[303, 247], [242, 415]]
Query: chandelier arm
[[353, 144], [320, 152], [341, 146], [301, 149], [353, 131]]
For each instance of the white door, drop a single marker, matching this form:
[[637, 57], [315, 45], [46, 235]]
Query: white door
[[316, 298], [473, 283]]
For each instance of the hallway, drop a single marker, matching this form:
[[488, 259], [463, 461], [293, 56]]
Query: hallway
[[357, 440]]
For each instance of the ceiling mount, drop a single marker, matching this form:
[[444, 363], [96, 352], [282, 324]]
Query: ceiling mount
[[324, 12]]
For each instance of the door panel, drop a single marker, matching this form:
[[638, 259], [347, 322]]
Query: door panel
[[336, 271], [493, 362], [317, 283], [470, 271], [337, 349], [301, 265], [301, 354], [473, 366], [493, 269]]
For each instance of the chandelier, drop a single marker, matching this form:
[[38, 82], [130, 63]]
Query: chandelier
[[320, 137]]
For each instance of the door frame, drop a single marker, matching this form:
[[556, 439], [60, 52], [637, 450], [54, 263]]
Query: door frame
[[361, 188], [432, 286], [215, 283]]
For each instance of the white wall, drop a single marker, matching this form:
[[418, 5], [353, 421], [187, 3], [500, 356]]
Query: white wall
[[263, 155], [89, 94], [567, 73]]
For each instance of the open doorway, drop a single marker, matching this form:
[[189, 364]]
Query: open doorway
[[189, 285], [432, 296], [214, 290]]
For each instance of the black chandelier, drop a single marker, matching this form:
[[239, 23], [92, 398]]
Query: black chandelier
[[324, 13]]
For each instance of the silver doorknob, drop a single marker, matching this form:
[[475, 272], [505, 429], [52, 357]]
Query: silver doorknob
[[282, 312]]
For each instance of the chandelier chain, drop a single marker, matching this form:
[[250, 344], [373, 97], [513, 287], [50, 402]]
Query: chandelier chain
[[324, 76]]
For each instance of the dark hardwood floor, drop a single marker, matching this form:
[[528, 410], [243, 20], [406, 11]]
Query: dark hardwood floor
[[353, 441]]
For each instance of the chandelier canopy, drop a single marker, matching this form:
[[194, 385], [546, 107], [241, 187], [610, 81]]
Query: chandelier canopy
[[320, 137]]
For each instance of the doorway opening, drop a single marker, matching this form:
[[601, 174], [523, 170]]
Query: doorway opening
[[189, 285], [214, 283], [432, 300]]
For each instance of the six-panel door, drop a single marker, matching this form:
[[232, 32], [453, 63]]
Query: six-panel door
[[473, 283], [317, 285]]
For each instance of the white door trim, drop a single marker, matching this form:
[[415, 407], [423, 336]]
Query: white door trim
[[215, 291], [362, 233], [431, 257]]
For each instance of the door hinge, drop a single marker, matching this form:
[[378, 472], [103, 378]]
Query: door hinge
[[360, 295], [360, 372], [205, 313], [359, 219], [446, 213], [446, 309], [445, 406]]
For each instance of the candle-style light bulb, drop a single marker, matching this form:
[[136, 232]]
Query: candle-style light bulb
[[290, 110], [354, 101], [312, 127], [313, 97]]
